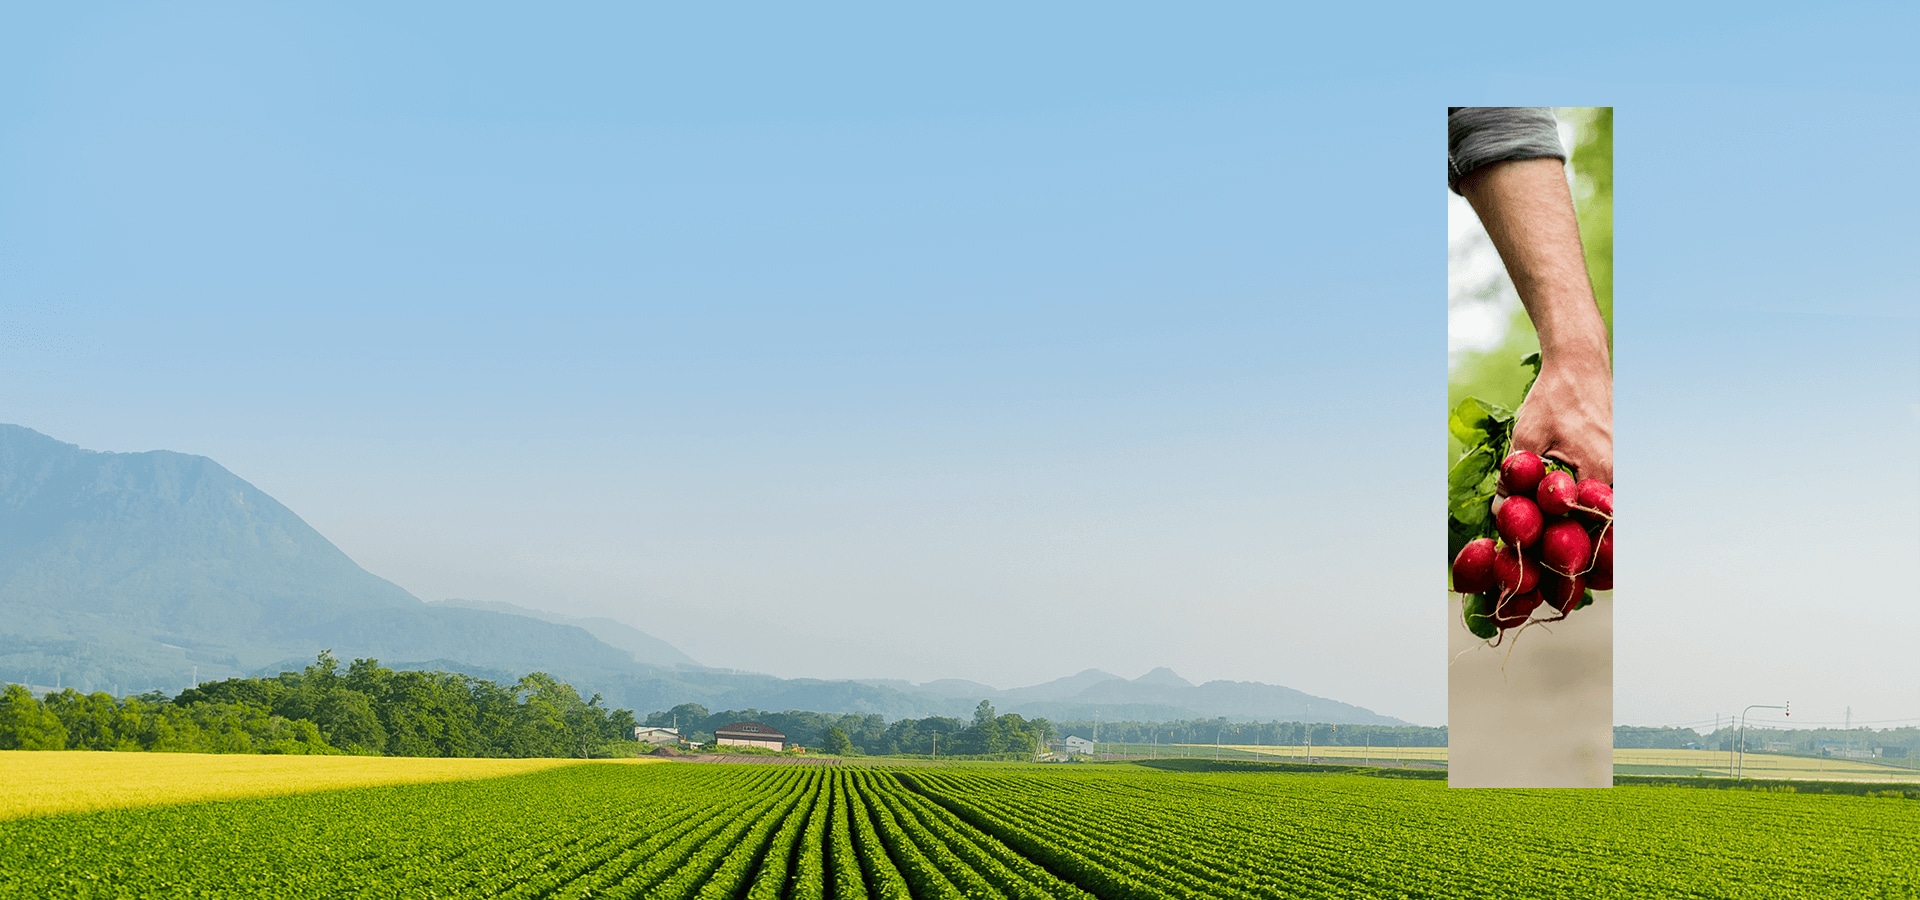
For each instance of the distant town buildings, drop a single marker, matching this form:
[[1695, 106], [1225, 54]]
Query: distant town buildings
[[750, 734]]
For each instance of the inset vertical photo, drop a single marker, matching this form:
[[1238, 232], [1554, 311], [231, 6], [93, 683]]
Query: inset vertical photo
[[1530, 480]]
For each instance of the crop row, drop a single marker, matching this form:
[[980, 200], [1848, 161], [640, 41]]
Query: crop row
[[1140, 834], [588, 831]]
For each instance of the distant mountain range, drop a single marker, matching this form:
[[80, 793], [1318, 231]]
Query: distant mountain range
[[133, 571], [1159, 695], [645, 648]]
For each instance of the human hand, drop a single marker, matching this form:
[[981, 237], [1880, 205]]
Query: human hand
[[1568, 416]]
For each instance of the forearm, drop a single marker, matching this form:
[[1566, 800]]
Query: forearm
[[1528, 212]]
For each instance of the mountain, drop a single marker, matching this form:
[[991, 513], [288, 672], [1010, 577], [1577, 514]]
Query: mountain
[[1163, 677], [645, 648], [1059, 688], [1159, 695], [136, 571], [944, 687], [1229, 699]]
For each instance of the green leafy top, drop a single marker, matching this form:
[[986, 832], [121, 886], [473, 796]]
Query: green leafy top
[[1486, 431]]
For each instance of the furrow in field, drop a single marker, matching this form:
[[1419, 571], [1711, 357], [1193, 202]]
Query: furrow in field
[[1018, 876], [931, 870]]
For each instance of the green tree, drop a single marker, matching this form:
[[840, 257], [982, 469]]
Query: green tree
[[27, 724], [837, 741], [689, 716], [550, 720], [347, 719], [92, 720]]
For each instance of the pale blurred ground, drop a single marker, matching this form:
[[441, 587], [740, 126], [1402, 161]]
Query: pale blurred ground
[[1536, 711]]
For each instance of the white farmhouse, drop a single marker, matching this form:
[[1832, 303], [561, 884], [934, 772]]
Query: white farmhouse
[[1073, 744], [751, 734], [646, 735]]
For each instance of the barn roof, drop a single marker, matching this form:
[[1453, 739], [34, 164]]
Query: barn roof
[[750, 730]]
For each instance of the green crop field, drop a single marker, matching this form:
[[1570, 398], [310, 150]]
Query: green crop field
[[686, 830]]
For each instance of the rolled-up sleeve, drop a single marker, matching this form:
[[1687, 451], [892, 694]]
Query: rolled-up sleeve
[[1479, 136]]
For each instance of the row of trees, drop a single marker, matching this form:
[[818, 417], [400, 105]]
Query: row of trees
[[70, 720], [1207, 731], [988, 734], [1893, 743], [365, 709]]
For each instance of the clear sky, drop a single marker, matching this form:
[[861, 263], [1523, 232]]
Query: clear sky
[[992, 343]]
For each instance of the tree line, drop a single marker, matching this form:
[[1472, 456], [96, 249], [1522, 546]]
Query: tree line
[[989, 733], [364, 709], [1208, 731], [1892, 743]]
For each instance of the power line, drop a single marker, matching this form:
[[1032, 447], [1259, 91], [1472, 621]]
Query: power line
[[1912, 719]]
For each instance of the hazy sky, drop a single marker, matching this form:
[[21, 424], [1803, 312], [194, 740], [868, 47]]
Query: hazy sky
[[994, 343]]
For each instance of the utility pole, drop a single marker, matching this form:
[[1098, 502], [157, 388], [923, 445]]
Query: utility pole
[[1716, 720]]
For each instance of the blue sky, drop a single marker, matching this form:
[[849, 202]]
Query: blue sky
[[994, 343]]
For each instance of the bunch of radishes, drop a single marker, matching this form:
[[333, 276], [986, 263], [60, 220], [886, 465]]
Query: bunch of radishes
[[1556, 544]]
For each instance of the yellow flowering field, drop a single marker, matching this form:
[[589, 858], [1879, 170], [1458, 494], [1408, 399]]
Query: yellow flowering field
[[40, 782]]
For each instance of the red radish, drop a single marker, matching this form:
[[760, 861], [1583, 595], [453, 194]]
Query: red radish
[[1520, 473], [1560, 591], [1519, 522], [1473, 568], [1599, 582], [1516, 574], [1565, 547], [1557, 493], [1515, 610], [1593, 501], [1601, 566]]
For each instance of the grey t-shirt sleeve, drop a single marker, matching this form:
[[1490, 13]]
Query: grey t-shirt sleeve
[[1479, 136]]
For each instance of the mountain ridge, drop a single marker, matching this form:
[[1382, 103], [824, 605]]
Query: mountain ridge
[[139, 570], [645, 648]]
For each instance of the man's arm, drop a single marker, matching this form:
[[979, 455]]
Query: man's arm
[[1528, 212], [1481, 136]]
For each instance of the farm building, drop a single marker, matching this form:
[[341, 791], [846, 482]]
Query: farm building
[[750, 734], [646, 735], [1072, 744]]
